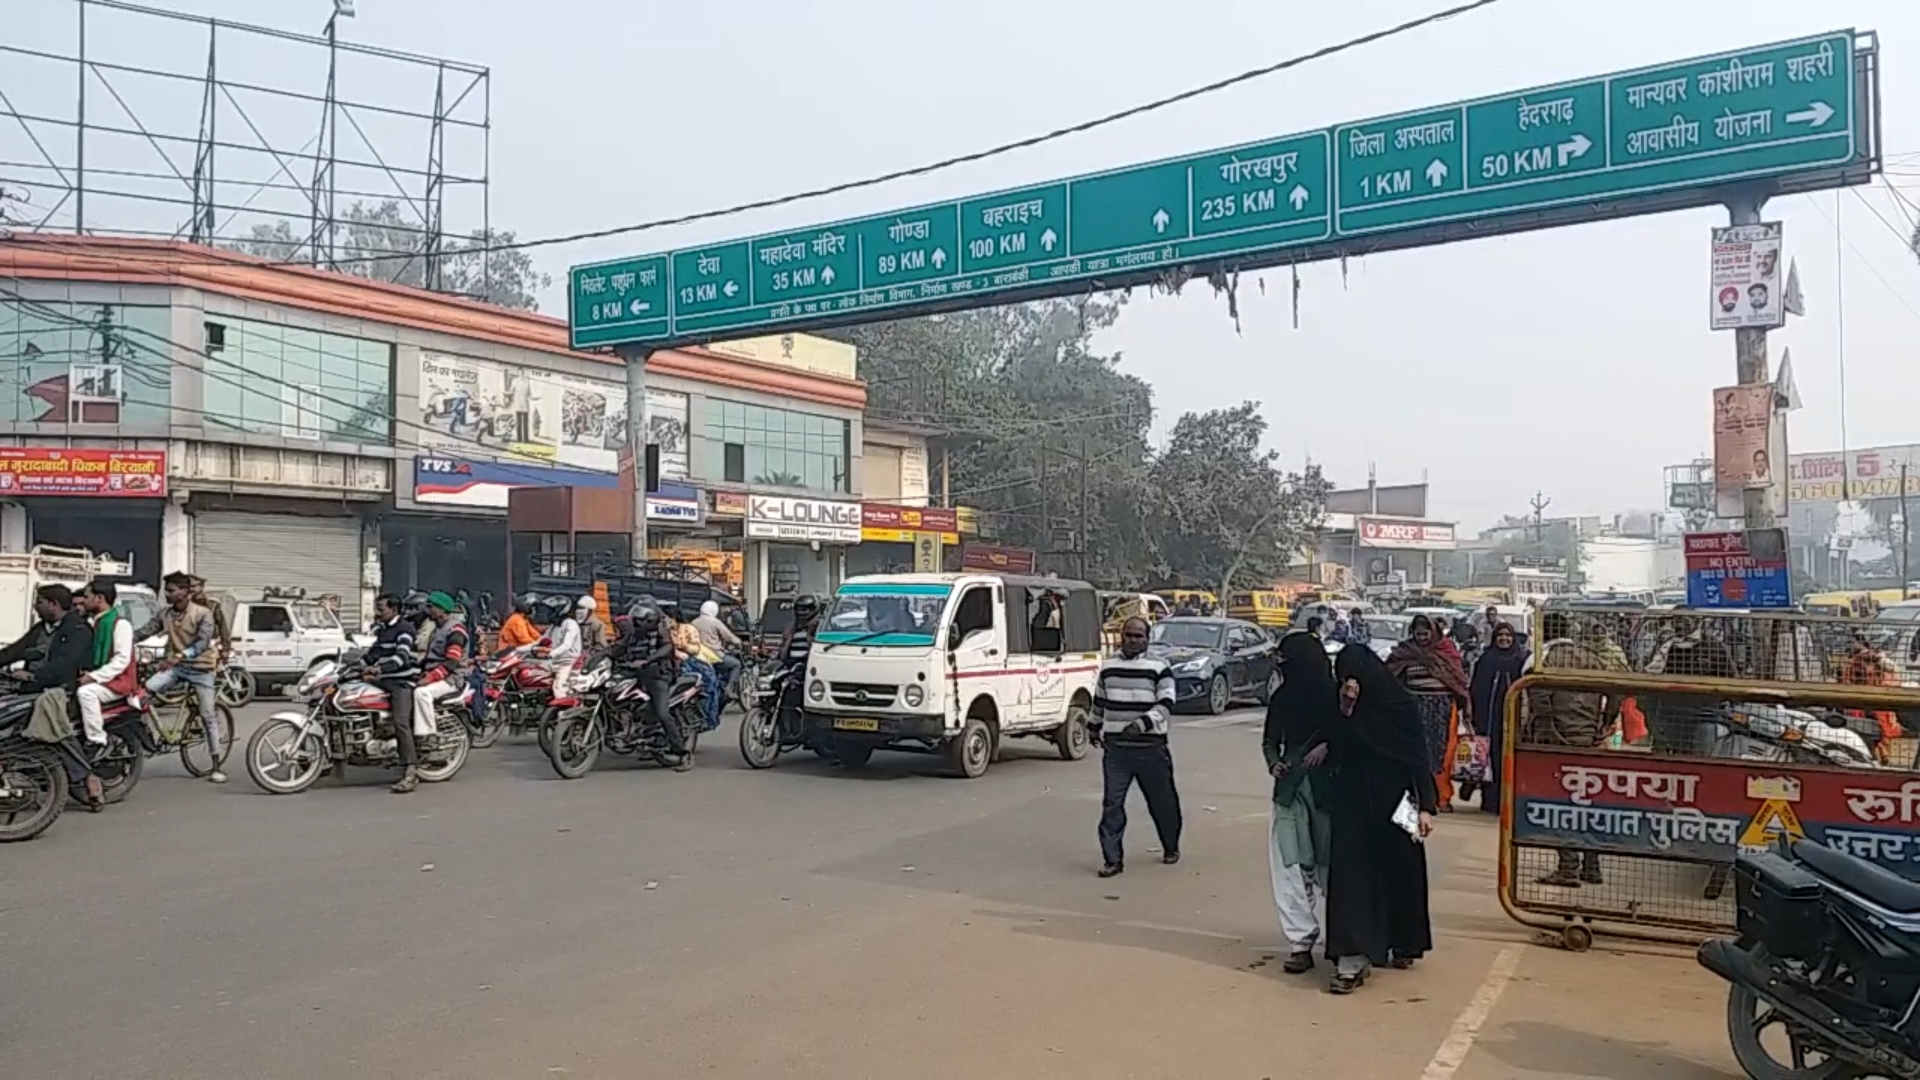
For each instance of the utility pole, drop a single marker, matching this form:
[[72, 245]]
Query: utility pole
[[1539, 502], [636, 358], [1750, 364], [1080, 536], [1906, 534]]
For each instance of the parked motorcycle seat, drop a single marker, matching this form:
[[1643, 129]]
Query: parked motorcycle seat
[[1883, 887]]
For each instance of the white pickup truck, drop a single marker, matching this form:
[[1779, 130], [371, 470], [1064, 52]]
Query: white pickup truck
[[23, 572], [276, 638]]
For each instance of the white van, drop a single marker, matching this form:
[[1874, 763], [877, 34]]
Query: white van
[[954, 664]]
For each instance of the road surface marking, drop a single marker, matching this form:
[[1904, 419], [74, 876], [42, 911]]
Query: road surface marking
[[1466, 1027]]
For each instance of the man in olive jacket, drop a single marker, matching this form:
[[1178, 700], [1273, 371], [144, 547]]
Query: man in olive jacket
[[192, 656]]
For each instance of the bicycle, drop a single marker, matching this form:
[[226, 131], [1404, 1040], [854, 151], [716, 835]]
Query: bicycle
[[173, 719]]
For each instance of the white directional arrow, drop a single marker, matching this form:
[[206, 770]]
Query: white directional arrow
[[730, 288], [1160, 220], [827, 275], [639, 306], [1437, 172], [1048, 239], [1813, 115], [1298, 197], [939, 256], [1574, 148]]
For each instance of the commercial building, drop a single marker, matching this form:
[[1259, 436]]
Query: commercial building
[[263, 424], [1378, 539]]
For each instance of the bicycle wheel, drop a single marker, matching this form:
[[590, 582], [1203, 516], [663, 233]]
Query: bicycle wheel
[[199, 759]]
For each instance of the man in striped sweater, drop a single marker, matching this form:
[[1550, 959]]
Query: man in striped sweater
[[1132, 698]]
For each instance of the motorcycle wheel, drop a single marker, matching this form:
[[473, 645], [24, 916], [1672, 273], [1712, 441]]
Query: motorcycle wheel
[[36, 787], [455, 745], [119, 769], [195, 753], [575, 746], [543, 734], [278, 744], [759, 738], [234, 687], [487, 732], [1748, 1014]]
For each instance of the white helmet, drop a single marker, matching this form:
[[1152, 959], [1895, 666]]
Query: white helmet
[[585, 605], [710, 609]]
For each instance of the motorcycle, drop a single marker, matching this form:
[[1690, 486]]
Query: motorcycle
[[740, 690], [519, 695], [1828, 950], [122, 759], [1796, 736], [765, 733], [348, 722], [610, 711], [33, 780]]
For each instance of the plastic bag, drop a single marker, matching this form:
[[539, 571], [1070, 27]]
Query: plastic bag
[[1473, 759]]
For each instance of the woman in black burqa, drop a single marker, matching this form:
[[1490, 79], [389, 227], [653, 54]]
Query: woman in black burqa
[[1303, 706], [1377, 884]]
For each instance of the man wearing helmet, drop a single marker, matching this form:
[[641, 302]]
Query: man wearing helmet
[[519, 630], [795, 646], [649, 652]]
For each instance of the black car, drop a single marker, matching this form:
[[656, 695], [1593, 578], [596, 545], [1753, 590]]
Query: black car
[[1216, 661]]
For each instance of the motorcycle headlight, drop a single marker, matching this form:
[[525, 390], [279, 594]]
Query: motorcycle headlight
[[913, 696], [816, 691]]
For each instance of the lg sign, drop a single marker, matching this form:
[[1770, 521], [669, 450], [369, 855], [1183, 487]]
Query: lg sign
[[1376, 532]]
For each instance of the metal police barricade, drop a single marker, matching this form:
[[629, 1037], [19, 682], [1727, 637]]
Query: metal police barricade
[[1636, 837]]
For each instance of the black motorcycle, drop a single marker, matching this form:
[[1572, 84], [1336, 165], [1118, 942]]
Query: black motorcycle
[[1829, 953], [611, 712], [33, 778], [773, 727]]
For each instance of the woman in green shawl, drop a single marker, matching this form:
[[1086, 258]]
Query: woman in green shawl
[[1301, 708]]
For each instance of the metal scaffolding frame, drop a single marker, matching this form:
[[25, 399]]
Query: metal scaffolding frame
[[114, 156]]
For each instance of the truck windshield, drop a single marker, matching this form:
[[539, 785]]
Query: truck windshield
[[315, 617], [885, 613]]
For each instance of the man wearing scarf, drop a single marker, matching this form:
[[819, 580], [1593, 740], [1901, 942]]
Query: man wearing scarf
[[1575, 719], [112, 674]]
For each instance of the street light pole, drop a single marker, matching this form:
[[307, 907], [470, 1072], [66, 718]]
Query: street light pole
[[1906, 534]]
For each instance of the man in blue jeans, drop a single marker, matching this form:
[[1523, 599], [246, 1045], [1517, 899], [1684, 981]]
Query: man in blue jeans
[[192, 657]]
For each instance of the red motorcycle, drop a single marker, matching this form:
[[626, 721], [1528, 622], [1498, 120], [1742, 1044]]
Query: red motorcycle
[[519, 696]]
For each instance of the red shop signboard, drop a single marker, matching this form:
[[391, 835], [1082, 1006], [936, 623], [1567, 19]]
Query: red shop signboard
[[33, 470]]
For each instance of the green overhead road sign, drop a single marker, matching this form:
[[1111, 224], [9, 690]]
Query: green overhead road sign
[[1758, 112], [1764, 112], [619, 301]]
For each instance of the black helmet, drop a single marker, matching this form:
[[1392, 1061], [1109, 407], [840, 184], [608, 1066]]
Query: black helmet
[[524, 605], [644, 610], [806, 608], [415, 602]]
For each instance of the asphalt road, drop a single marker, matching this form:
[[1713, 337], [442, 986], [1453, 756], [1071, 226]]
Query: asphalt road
[[801, 922]]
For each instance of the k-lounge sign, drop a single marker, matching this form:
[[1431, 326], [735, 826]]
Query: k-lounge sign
[[775, 517]]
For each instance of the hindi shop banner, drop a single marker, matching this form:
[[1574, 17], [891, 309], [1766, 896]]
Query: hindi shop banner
[[32, 470], [1747, 293], [1707, 811]]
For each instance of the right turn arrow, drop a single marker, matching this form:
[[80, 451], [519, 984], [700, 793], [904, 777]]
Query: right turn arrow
[[1813, 115]]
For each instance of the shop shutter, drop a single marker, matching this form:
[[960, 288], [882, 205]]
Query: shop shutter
[[242, 554]]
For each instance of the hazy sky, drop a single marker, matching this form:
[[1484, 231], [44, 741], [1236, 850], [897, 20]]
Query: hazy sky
[[1577, 362]]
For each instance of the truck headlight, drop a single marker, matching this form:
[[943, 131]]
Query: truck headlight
[[816, 691], [913, 696]]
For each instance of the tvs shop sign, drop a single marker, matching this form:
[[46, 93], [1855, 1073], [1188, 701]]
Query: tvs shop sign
[[1405, 535], [772, 517]]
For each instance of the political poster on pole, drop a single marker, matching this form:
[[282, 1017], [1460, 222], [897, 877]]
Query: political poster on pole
[[1747, 293], [1742, 443]]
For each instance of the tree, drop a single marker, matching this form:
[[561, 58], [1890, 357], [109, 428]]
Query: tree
[[1227, 511], [378, 242], [1042, 433]]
